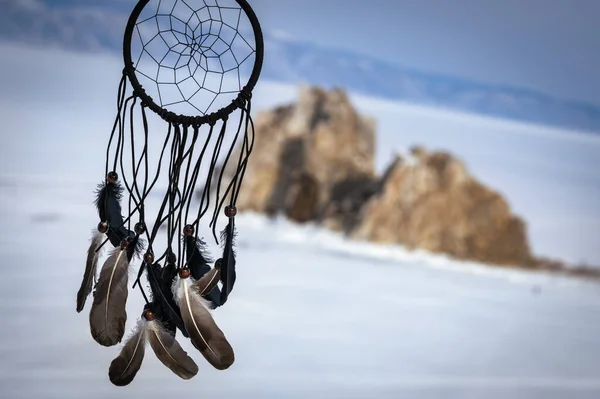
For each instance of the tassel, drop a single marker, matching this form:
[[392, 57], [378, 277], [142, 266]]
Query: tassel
[[124, 367], [227, 264], [169, 352], [108, 314], [91, 266], [161, 280], [199, 323]]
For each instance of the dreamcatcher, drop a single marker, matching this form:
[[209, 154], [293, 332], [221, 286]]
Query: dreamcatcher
[[194, 64]]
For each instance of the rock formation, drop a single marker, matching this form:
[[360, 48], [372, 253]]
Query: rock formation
[[429, 201], [303, 152], [314, 161]]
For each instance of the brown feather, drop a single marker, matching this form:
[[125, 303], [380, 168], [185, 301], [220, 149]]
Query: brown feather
[[201, 327], [91, 268], [169, 352], [124, 367], [208, 281], [108, 314]]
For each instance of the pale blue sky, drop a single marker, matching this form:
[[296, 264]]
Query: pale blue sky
[[548, 45]]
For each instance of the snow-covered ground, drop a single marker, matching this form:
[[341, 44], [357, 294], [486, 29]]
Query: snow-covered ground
[[311, 314]]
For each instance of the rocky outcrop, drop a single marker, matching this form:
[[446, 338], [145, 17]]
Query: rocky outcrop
[[314, 161], [304, 152], [429, 201]]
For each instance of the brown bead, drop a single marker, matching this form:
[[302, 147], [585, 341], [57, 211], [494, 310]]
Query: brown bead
[[148, 315], [188, 230], [230, 211], [124, 244], [184, 273], [149, 258], [139, 228], [112, 177], [103, 227]]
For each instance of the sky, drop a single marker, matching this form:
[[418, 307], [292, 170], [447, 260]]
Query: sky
[[548, 46]]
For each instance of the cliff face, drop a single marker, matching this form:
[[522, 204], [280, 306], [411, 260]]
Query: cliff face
[[314, 161], [429, 201], [303, 152]]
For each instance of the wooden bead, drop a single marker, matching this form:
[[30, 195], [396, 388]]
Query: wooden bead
[[149, 258], [230, 211], [148, 315], [103, 227], [112, 177], [124, 244], [139, 228], [188, 230], [184, 273]]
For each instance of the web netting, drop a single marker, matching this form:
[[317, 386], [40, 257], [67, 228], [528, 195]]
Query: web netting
[[193, 57]]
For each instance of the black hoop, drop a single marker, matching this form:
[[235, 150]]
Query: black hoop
[[171, 117]]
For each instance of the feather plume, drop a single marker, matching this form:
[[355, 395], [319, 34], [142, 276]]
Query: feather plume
[[108, 197], [91, 268], [161, 280], [124, 367], [169, 352], [108, 314], [208, 282], [200, 325], [197, 256]]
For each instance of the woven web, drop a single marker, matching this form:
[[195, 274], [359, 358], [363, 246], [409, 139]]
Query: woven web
[[193, 56]]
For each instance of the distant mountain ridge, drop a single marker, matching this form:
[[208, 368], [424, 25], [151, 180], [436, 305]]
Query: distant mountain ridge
[[293, 61], [90, 28]]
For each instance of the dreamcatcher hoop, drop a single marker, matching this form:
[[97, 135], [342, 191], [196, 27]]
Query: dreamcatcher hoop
[[190, 42], [171, 117]]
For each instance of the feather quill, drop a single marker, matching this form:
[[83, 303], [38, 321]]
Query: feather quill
[[169, 352], [108, 314], [124, 367], [200, 325], [208, 282], [91, 268]]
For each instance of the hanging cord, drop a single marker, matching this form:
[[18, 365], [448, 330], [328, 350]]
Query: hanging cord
[[222, 172], [120, 99], [147, 192], [250, 122], [239, 170], [196, 173], [208, 186]]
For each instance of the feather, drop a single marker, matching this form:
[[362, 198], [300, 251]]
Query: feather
[[108, 197], [161, 281], [169, 352], [91, 268], [197, 262], [228, 261], [124, 367], [200, 325], [197, 257], [208, 282], [108, 314]]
